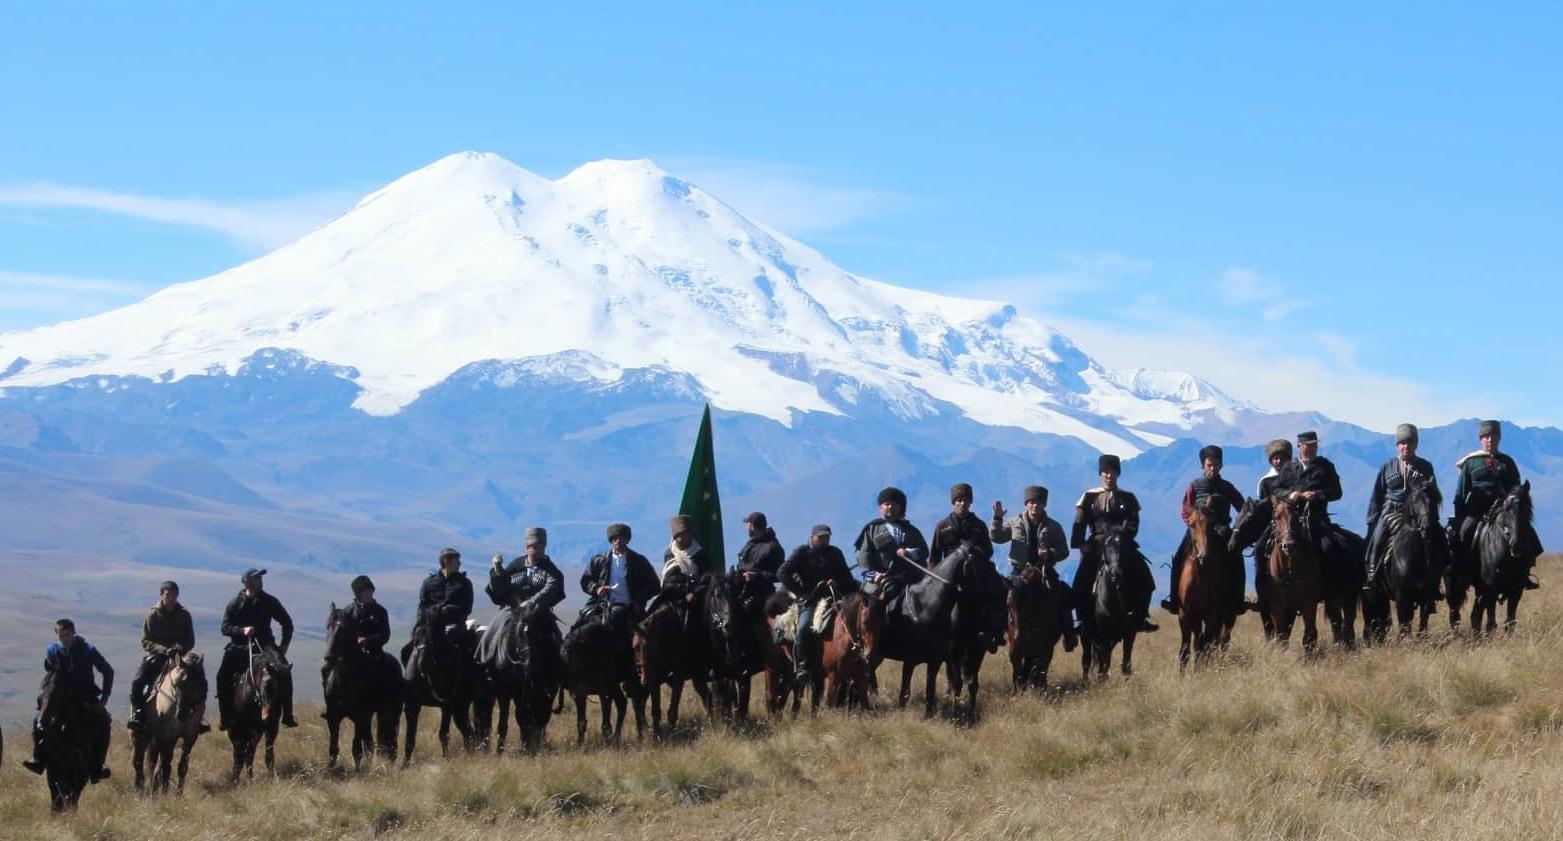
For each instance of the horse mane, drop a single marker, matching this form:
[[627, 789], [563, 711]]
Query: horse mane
[[777, 603]]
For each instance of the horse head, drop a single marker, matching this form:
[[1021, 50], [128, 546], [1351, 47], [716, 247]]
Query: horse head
[[341, 633], [1418, 509], [1510, 516], [188, 674], [1199, 534]]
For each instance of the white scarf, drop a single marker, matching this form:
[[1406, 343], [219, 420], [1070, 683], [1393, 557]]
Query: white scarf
[[682, 559]]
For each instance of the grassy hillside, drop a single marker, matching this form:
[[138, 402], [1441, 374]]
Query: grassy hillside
[[1434, 739]]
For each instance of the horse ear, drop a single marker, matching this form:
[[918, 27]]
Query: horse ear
[[1526, 486], [333, 607]]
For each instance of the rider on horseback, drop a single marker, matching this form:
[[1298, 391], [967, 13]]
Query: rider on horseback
[[965, 531], [445, 603], [72, 659], [759, 561], [247, 621], [618, 583], [683, 563], [814, 573], [528, 582], [530, 579], [1035, 539], [1389, 493], [1486, 477], [890, 550], [1218, 498], [166, 634], [374, 631], [1105, 509]]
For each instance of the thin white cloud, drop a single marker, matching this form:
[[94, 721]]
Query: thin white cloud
[[794, 199], [30, 298], [254, 225], [1246, 288], [1295, 372]]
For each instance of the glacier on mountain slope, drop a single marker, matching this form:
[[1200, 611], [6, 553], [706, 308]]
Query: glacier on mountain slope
[[617, 265]]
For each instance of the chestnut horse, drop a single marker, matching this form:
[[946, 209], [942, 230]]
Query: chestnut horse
[[670, 648], [1206, 611], [846, 647], [1295, 588]]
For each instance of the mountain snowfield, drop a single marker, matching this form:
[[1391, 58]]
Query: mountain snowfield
[[617, 265]]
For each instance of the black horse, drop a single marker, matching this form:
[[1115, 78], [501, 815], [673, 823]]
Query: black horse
[[520, 657], [736, 633], [1036, 605], [360, 685], [258, 697], [976, 626], [1405, 580], [438, 672], [598, 661], [71, 729], [1503, 555], [916, 628], [1109, 617]]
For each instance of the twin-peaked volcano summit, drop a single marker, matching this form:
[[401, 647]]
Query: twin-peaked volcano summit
[[616, 266]]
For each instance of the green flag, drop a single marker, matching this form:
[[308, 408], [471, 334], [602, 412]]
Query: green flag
[[700, 497]]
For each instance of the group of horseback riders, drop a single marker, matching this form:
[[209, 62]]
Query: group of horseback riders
[[622, 586], [1310, 481]]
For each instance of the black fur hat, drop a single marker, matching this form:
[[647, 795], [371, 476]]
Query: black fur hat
[[1109, 463], [892, 494], [1211, 452]]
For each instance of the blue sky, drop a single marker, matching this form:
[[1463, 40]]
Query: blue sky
[[1351, 209]]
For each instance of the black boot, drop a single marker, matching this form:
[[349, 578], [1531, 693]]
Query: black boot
[[1170, 603], [1071, 636]]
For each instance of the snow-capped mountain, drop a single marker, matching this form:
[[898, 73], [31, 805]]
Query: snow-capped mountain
[[616, 266]]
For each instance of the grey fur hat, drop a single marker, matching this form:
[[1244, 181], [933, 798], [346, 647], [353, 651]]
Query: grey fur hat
[[1406, 433]]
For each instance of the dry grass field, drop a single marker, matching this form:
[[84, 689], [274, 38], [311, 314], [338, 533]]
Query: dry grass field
[[1431, 739]]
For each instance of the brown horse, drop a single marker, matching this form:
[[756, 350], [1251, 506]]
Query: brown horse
[[1295, 588], [847, 647], [174, 716], [669, 650], [781, 663], [1033, 628], [1206, 611]]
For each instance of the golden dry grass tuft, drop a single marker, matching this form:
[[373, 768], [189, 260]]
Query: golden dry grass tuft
[[1431, 739]]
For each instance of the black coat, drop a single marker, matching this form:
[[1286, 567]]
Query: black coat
[[1217, 496], [1119, 510], [807, 567], [258, 612], [950, 532], [763, 555], [374, 624], [1318, 476], [638, 572], [1389, 488], [447, 599], [518, 582]]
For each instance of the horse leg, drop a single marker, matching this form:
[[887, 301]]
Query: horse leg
[[654, 690], [1512, 608], [412, 710], [745, 688], [1183, 647], [494, 717], [1310, 618], [333, 735], [1128, 654], [906, 684], [463, 718], [580, 718], [138, 755], [930, 689], [163, 765], [185, 745], [444, 732], [271, 745]]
